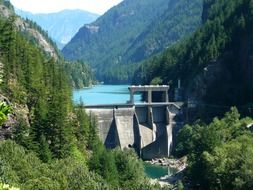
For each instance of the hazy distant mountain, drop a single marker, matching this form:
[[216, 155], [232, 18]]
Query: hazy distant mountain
[[131, 32], [61, 26]]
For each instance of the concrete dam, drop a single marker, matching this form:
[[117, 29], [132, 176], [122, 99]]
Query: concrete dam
[[147, 127]]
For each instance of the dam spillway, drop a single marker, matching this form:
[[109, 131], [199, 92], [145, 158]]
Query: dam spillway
[[146, 127]]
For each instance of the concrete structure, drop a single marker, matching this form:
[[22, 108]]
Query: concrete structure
[[146, 127], [149, 89]]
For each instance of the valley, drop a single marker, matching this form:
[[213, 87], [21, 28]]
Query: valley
[[116, 43], [85, 99], [61, 26]]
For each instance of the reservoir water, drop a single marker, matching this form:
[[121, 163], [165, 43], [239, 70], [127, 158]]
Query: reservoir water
[[104, 94]]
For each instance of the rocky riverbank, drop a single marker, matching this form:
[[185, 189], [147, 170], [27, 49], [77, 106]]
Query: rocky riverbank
[[180, 166]]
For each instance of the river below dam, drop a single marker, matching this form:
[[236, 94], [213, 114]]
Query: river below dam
[[157, 171], [116, 94]]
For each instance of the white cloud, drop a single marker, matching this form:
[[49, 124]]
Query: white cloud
[[47, 6]]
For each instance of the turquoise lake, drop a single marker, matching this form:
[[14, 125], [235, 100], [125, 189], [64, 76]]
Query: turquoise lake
[[104, 94]]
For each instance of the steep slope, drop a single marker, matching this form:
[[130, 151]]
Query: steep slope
[[36, 87], [130, 32], [61, 26], [30, 30], [179, 20], [79, 73], [32, 82], [215, 65]]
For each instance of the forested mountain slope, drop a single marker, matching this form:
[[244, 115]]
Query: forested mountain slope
[[215, 65], [30, 30], [79, 72], [179, 20], [61, 26], [34, 84], [131, 32], [44, 142]]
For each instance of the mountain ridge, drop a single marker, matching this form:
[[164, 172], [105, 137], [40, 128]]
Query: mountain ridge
[[215, 64], [79, 73], [62, 25], [111, 46], [29, 30]]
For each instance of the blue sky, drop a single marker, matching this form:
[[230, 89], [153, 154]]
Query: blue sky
[[48, 6]]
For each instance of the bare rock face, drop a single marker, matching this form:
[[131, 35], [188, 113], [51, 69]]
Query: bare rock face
[[4, 11], [19, 114], [92, 28], [23, 26], [43, 42]]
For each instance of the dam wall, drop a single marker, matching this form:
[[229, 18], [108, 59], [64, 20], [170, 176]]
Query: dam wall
[[106, 126], [148, 128], [124, 121]]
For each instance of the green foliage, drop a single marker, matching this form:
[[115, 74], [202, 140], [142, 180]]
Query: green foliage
[[44, 151], [117, 169], [30, 77], [21, 135], [201, 137], [121, 169], [25, 170], [7, 187], [80, 74], [130, 169], [4, 111], [229, 165], [156, 81], [103, 163], [73, 174], [16, 165], [219, 153]]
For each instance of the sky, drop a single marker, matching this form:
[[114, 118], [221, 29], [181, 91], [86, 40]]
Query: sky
[[49, 6]]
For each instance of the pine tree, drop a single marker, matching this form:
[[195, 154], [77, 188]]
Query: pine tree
[[45, 153]]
